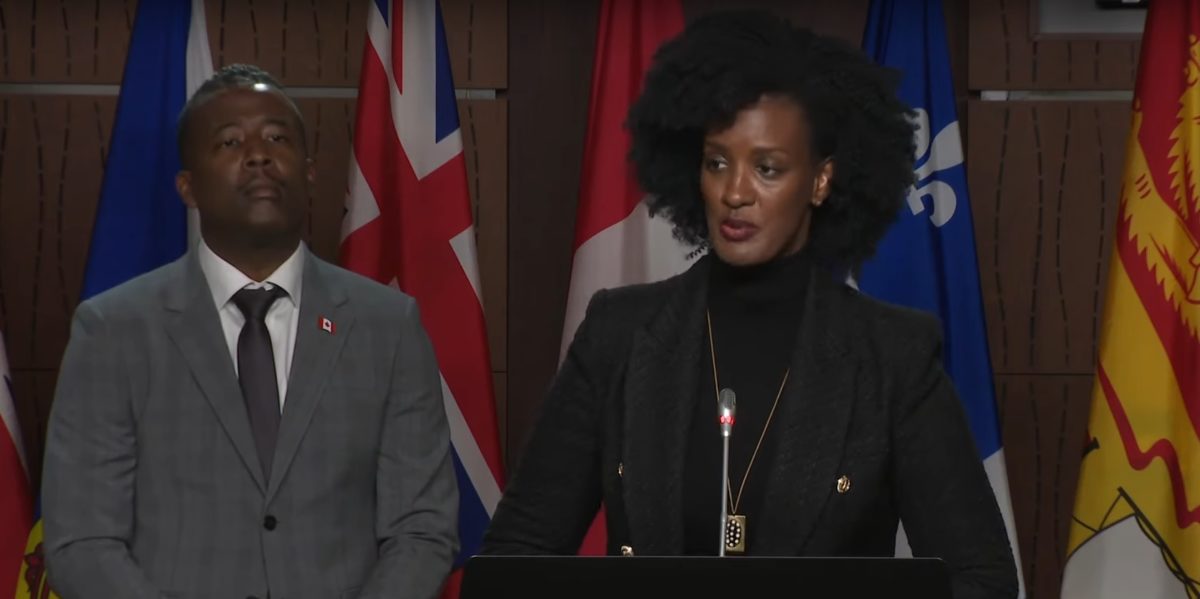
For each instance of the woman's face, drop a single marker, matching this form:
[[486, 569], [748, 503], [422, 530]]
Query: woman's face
[[760, 183]]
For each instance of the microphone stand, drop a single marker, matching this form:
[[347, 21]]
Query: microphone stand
[[727, 401], [724, 490]]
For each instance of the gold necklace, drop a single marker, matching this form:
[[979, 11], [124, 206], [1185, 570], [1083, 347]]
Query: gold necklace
[[735, 523]]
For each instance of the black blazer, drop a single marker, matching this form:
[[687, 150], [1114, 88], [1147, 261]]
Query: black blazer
[[870, 401]]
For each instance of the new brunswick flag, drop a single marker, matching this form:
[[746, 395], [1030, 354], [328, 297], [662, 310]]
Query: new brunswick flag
[[1136, 527]]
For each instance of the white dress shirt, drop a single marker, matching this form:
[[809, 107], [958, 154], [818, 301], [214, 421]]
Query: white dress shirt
[[224, 280]]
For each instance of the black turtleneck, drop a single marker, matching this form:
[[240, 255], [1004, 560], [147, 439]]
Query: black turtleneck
[[755, 313]]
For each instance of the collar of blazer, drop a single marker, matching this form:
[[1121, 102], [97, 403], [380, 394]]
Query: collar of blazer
[[195, 328], [662, 385]]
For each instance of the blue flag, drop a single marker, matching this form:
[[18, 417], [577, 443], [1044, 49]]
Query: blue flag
[[141, 223], [927, 260]]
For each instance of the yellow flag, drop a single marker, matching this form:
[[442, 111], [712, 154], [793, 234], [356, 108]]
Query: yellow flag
[[32, 583], [1135, 531]]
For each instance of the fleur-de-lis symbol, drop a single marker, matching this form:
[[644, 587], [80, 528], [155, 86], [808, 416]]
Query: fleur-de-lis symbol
[[944, 153]]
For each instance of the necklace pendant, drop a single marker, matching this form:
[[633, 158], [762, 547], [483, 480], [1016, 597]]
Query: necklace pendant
[[735, 534]]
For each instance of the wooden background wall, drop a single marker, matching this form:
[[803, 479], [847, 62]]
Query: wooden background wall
[[1044, 177]]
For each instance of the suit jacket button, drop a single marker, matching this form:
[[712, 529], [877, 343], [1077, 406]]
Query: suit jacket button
[[843, 484], [269, 522]]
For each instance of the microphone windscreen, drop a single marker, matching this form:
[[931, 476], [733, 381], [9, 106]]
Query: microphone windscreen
[[728, 400]]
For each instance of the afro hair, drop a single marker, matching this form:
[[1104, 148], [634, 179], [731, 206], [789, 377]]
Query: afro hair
[[726, 61]]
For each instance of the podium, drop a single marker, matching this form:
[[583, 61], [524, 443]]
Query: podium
[[543, 577]]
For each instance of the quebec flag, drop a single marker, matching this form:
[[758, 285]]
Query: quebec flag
[[927, 260]]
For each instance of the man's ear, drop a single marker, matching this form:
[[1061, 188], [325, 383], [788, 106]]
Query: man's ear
[[183, 185]]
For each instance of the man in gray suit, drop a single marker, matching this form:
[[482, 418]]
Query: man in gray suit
[[248, 421]]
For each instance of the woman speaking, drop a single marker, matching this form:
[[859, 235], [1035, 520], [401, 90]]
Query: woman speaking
[[784, 155]]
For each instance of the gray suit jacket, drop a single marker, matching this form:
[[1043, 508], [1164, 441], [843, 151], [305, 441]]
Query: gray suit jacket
[[152, 486]]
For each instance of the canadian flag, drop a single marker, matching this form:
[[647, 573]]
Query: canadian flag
[[616, 241]]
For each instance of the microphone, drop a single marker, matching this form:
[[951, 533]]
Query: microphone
[[727, 406]]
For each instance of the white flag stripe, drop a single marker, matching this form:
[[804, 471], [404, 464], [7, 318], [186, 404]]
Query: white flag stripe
[[199, 68], [469, 453], [8, 410], [638, 249], [997, 473], [463, 245], [361, 205], [1119, 562], [199, 54], [411, 109]]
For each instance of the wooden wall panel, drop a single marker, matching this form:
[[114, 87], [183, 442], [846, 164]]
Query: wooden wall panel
[[1044, 179], [320, 42], [485, 145], [51, 149], [302, 42], [50, 157], [844, 20], [477, 33], [330, 129], [64, 41], [551, 46], [500, 388], [33, 391], [1044, 420], [1006, 54]]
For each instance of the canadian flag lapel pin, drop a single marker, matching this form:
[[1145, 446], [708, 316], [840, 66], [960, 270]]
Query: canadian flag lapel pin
[[326, 325]]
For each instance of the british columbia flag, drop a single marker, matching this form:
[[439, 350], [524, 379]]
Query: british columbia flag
[[408, 224]]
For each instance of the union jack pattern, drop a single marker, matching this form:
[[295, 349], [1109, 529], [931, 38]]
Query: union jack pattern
[[408, 224]]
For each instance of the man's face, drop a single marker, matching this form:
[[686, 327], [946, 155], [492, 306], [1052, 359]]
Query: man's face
[[247, 168]]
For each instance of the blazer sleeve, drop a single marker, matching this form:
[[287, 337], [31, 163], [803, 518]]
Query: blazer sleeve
[[945, 501], [554, 497], [416, 489], [89, 469]]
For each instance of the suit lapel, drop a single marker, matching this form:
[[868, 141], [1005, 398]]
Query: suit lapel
[[312, 361], [660, 395], [813, 417], [195, 327]]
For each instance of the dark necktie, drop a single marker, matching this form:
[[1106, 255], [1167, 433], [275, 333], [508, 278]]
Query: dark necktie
[[256, 370]]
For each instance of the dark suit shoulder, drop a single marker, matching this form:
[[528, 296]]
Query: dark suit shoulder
[[615, 315], [634, 305], [889, 323]]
